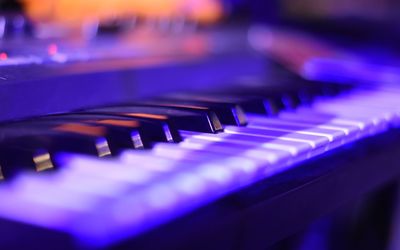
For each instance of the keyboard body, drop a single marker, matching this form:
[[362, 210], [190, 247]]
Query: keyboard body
[[243, 186]]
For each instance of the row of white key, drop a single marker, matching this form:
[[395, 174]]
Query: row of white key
[[142, 189]]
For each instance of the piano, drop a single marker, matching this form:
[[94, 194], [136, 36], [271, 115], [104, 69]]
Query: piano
[[190, 130]]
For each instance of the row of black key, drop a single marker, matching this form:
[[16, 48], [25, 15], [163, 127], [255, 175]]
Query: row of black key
[[106, 131]]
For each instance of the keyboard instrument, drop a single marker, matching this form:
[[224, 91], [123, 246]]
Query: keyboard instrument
[[146, 163], [166, 129]]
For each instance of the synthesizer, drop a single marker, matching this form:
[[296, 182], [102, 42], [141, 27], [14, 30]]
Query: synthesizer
[[130, 126], [103, 176]]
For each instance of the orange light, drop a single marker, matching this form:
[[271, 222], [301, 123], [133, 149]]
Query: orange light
[[130, 124], [204, 11], [81, 129], [71, 12], [3, 56], [151, 116]]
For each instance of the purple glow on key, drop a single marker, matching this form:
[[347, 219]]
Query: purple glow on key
[[313, 141], [317, 116], [146, 160], [285, 128], [188, 183], [258, 155], [39, 214], [333, 133], [40, 191], [262, 154], [105, 168], [371, 105], [368, 116], [290, 146], [246, 169], [94, 185], [215, 173], [291, 149], [215, 154], [137, 213], [161, 196]]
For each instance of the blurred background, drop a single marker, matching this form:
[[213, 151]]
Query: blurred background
[[365, 30]]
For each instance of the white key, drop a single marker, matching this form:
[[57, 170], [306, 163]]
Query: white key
[[295, 148], [318, 144]]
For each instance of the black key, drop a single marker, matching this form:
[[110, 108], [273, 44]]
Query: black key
[[260, 105], [273, 100], [35, 151], [119, 137], [16, 155], [153, 130], [286, 90], [228, 112], [207, 122], [125, 128], [291, 99], [286, 93], [95, 134], [249, 104]]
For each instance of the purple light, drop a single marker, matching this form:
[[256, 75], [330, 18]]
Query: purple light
[[347, 70]]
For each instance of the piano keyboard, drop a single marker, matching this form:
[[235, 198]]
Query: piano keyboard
[[117, 172]]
